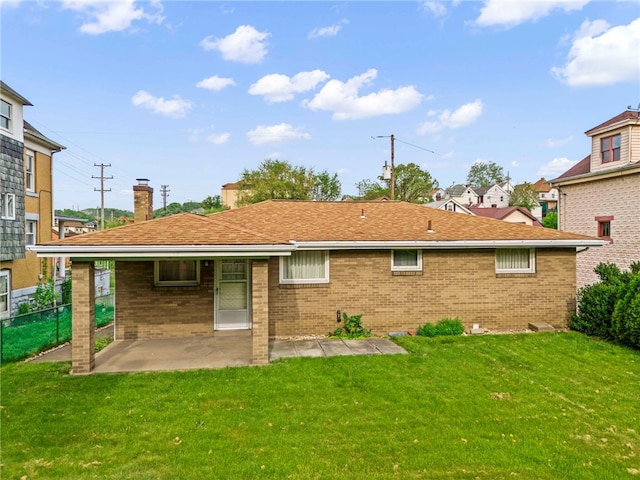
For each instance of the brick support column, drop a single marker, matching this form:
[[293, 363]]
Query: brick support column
[[83, 323], [260, 310]]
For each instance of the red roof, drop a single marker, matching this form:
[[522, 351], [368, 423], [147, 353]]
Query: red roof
[[503, 212], [580, 168], [626, 115]]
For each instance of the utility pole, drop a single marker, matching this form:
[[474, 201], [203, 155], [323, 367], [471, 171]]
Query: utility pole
[[164, 191], [102, 190], [392, 181]]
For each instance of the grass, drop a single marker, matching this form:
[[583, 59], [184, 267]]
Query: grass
[[32, 333], [536, 406]]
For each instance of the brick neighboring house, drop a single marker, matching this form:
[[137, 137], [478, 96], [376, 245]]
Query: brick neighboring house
[[26, 201], [283, 268], [600, 195]]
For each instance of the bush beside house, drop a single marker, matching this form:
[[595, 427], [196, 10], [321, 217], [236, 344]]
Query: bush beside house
[[610, 309]]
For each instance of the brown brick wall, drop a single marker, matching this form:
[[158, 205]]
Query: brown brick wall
[[260, 310], [453, 283], [83, 324], [146, 311]]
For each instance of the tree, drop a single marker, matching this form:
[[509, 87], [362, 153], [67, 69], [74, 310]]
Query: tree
[[412, 184], [524, 195], [327, 187], [551, 220], [276, 179], [483, 174], [371, 189], [212, 202]]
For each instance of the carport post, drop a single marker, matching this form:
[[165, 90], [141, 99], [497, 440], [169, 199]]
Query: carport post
[[83, 323], [260, 310]]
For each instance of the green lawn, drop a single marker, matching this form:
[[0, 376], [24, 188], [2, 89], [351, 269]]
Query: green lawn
[[536, 406]]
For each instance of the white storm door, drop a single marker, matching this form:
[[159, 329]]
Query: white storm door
[[232, 295]]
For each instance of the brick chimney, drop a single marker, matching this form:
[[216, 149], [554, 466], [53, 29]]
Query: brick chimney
[[142, 201]]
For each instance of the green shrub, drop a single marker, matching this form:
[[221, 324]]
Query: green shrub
[[445, 327], [625, 324], [352, 327], [595, 308], [596, 303]]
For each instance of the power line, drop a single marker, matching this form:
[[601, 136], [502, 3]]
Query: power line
[[102, 190]]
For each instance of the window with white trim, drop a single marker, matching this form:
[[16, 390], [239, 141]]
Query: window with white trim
[[306, 266], [406, 260], [8, 206], [30, 172], [5, 115], [5, 293], [177, 273], [515, 260], [30, 231]]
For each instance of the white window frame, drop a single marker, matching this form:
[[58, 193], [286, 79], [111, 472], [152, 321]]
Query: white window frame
[[6, 118], [7, 294], [532, 261], [30, 171], [31, 229], [175, 283], [407, 268], [8, 208], [295, 281]]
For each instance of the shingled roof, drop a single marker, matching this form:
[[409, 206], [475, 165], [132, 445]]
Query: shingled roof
[[286, 225]]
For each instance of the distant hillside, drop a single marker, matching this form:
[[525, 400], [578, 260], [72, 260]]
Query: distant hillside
[[94, 213]]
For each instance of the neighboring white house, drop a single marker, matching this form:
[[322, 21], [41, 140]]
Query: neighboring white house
[[449, 204], [600, 195], [493, 196]]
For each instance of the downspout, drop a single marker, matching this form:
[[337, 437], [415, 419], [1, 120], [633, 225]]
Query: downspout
[[583, 250]]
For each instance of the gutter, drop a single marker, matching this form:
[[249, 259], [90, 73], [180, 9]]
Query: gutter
[[161, 251], [450, 244]]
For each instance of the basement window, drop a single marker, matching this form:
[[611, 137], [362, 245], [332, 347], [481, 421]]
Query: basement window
[[177, 273], [406, 260], [515, 260]]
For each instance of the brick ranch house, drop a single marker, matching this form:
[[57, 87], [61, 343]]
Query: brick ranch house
[[284, 268]]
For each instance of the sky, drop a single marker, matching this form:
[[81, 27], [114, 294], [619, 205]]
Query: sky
[[190, 93]]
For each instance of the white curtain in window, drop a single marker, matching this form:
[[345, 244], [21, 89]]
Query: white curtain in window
[[4, 293], [405, 258], [304, 265], [513, 259]]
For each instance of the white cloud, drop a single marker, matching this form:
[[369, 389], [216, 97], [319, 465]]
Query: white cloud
[[218, 138], [176, 107], [602, 55], [437, 9], [280, 88], [245, 45], [509, 13], [330, 31], [215, 83], [557, 142], [113, 16], [342, 171], [342, 98], [463, 116], [275, 134], [555, 167], [514, 163]]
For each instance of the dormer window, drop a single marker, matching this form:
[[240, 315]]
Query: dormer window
[[610, 147]]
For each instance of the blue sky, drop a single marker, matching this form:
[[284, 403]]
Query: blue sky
[[188, 94]]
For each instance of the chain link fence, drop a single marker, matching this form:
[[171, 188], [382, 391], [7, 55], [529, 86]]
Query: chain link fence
[[25, 335]]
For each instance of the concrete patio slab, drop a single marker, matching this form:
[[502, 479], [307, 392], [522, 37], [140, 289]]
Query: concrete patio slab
[[225, 349]]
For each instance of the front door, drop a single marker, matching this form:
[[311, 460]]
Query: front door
[[232, 295]]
